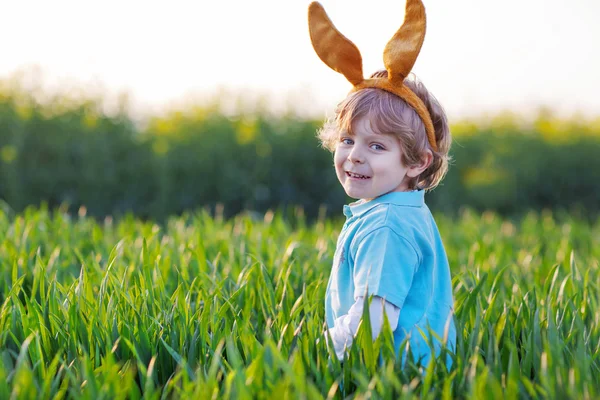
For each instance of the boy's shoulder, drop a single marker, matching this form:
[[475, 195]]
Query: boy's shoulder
[[398, 218], [405, 213], [399, 221]]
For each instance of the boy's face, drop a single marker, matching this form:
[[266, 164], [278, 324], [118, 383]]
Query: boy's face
[[368, 164]]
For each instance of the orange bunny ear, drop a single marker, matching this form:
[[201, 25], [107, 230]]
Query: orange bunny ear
[[399, 56], [402, 50], [333, 48]]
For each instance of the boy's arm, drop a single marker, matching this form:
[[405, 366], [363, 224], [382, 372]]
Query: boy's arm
[[345, 327]]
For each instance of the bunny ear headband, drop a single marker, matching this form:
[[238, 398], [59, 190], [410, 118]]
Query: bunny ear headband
[[399, 56]]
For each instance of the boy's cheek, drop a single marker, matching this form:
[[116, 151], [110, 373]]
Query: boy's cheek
[[339, 157], [336, 160]]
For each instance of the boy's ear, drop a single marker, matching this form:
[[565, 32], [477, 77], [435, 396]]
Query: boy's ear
[[418, 169]]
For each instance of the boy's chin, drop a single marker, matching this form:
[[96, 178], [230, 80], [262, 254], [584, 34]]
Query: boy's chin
[[355, 195], [362, 195]]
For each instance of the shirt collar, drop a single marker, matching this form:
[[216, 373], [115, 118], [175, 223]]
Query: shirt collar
[[415, 198]]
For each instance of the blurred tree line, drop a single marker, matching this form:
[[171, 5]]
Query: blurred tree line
[[71, 153]]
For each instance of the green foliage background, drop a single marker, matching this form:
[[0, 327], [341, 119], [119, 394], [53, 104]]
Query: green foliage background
[[207, 306], [67, 151]]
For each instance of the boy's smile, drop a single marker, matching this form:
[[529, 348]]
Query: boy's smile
[[368, 164], [352, 175]]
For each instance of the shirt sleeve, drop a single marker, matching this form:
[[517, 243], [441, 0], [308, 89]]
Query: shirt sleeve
[[345, 327], [385, 264]]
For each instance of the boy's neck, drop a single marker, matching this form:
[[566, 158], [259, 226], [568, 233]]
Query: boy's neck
[[362, 201]]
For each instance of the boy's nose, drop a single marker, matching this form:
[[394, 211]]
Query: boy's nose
[[356, 156]]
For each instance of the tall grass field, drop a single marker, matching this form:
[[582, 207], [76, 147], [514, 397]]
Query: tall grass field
[[206, 307]]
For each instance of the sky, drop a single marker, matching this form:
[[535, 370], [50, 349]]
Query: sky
[[479, 56]]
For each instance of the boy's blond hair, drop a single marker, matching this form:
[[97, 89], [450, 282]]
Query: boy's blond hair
[[388, 114]]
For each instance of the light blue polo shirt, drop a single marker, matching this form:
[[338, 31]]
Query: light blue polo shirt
[[392, 245]]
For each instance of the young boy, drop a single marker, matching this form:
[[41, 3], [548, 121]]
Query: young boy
[[390, 140]]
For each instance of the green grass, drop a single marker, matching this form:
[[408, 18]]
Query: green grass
[[207, 308]]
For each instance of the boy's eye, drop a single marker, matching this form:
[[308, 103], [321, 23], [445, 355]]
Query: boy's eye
[[376, 146], [347, 141]]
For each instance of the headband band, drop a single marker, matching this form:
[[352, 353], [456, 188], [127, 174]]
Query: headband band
[[399, 56]]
